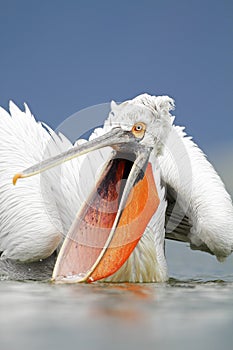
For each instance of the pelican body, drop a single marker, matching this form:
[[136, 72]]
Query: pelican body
[[154, 183]]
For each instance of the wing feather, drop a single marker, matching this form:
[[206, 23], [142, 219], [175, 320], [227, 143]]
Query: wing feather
[[35, 214], [199, 208]]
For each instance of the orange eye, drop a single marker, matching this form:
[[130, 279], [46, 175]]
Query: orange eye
[[139, 129]]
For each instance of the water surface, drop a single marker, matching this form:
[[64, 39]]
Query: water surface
[[193, 310]]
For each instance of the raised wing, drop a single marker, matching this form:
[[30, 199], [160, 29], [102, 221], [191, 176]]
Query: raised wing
[[177, 224], [199, 208], [37, 213]]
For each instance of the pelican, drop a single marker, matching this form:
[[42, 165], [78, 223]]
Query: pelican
[[116, 197]]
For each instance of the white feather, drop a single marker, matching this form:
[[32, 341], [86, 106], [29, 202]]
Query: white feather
[[36, 213], [201, 193]]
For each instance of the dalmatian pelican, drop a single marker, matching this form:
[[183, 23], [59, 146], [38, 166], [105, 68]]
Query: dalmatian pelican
[[138, 180]]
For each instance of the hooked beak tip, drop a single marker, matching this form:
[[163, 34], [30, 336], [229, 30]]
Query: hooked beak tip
[[16, 177]]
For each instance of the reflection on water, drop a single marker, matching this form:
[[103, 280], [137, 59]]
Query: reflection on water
[[101, 316], [194, 310]]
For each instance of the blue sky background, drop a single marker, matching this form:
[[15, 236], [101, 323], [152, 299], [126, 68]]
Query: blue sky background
[[62, 56]]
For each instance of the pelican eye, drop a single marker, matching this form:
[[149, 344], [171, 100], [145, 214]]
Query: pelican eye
[[138, 130]]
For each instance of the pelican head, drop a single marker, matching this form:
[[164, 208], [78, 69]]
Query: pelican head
[[114, 217]]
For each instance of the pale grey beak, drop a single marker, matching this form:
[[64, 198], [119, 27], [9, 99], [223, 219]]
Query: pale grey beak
[[113, 138], [92, 264]]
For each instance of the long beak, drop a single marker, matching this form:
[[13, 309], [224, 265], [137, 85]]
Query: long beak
[[114, 137], [110, 223]]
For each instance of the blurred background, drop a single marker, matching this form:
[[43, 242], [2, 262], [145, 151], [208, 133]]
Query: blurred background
[[63, 56]]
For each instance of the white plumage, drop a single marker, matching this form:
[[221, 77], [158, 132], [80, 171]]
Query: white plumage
[[36, 213], [202, 194]]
